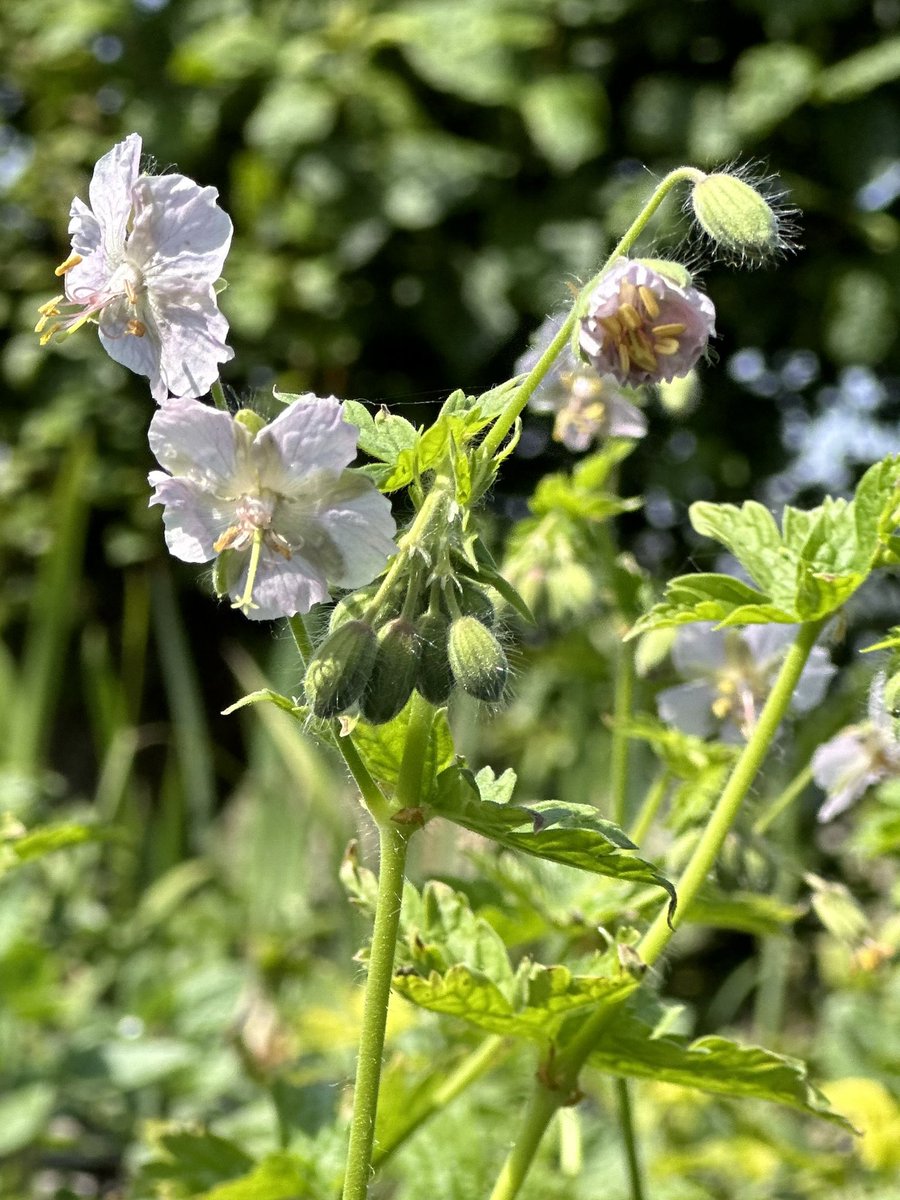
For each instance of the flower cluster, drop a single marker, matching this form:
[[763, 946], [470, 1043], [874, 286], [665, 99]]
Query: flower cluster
[[643, 326], [275, 504], [145, 256], [730, 673]]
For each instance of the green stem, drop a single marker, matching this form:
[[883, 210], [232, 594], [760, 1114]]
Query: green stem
[[504, 423], [618, 765], [571, 1059], [371, 793], [629, 1140], [541, 1107], [776, 950], [723, 815], [651, 805], [393, 842], [798, 784], [473, 1066]]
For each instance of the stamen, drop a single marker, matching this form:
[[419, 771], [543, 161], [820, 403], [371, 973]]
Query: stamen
[[641, 353], [245, 603], [624, 360], [51, 308], [629, 316], [650, 302], [672, 330], [130, 292], [612, 326], [227, 539], [72, 261], [666, 346], [279, 544], [136, 328]]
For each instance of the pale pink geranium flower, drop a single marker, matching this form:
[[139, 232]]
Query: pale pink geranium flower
[[273, 503], [145, 256], [586, 406], [859, 756], [643, 327]]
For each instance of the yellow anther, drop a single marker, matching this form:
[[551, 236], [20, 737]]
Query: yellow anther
[[650, 302], [48, 336], [624, 360], [51, 308], [672, 330], [641, 352], [226, 539], [628, 293], [72, 261], [612, 327], [136, 328], [629, 316], [721, 707], [666, 346]]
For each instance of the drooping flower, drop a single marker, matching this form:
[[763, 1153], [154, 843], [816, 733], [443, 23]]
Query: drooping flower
[[586, 406], [642, 326], [730, 673], [145, 256], [273, 503], [859, 756]]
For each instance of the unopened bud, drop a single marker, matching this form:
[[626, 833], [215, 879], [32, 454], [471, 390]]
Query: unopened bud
[[393, 674], [250, 420], [736, 217], [435, 679], [477, 659], [340, 669], [475, 603], [676, 271]]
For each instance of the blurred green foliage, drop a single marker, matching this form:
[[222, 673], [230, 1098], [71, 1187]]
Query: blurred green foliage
[[412, 184]]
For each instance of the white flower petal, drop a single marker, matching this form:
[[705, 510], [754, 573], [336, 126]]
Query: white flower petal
[[138, 354], [688, 706], [84, 229], [181, 236], [845, 770], [358, 519], [111, 191], [283, 587], [191, 333], [193, 517], [813, 683], [309, 436], [768, 643], [202, 444], [88, 279], [699, 648]]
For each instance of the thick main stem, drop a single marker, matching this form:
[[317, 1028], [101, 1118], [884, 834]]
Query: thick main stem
[[572, 1058], [393, 841]]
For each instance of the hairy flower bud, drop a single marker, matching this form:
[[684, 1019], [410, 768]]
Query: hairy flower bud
[[435, 679], [340, 669], [476, 603], [477, 659], [737, 218], [394, 672]]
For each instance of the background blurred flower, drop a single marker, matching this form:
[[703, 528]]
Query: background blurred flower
[[858, 757], [144, 259], [280, 506], [730, 673], [643, 327]]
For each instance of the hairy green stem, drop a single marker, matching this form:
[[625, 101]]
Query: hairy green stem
[[629, 1139], [570, 1060], [373, 797], [618, 765], [472, 1067], [393, 842], [651, 805], [498, 432], [218, 395], [745, 771]]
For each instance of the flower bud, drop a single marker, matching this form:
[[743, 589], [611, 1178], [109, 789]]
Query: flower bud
[[735, 216], [394, 672], [340, 669], [477, 659], [476, 603], [435, 679]]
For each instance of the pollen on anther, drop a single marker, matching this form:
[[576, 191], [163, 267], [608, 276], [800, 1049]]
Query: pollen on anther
[[629, 316], [624, 360], [136, 328], [649, 301], [72, 261], [672, 330], [666, 346]]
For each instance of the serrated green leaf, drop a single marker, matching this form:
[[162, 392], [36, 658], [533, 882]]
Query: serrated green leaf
[[381, 749], [632, 1046], [383, 436], [572, 834], [545, 997], [193, 1162], [276, 1177], [709, 597], [753, 537], [746, 912]]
